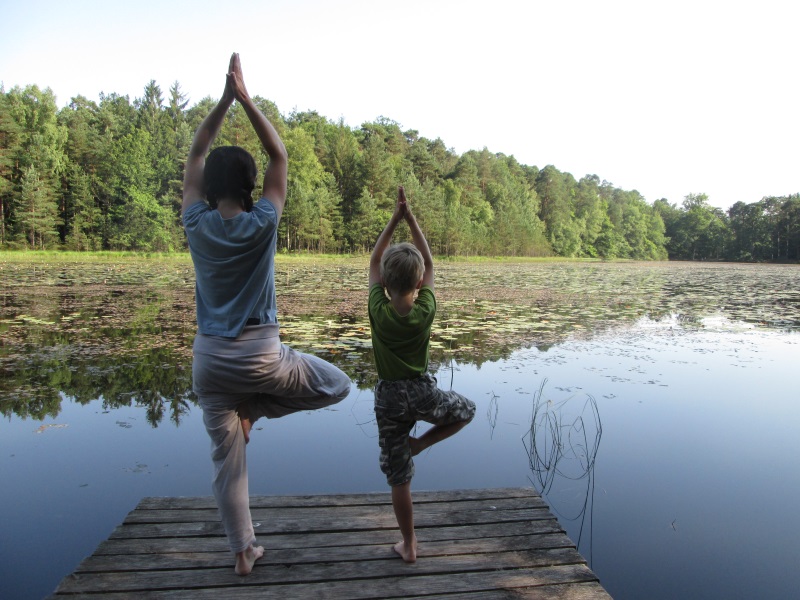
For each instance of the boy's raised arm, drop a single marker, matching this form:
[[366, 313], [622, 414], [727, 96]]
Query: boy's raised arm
[[421, 243], [276, 175], [385, 238], [193, 186]]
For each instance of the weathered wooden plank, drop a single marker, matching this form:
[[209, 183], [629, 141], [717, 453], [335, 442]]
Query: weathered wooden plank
[[219, 543], [363, 571], [169, 530], [568, 591], [381, 498], [591, 590], [328, 520], [395, 587], [188, 515], [403, 587], [200, 559]]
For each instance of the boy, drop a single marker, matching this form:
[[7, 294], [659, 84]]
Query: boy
[[406, 392]]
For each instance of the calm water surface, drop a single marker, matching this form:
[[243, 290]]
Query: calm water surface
[[675, 468]]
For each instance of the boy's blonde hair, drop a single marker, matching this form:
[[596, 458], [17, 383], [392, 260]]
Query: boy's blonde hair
[[402, 268]]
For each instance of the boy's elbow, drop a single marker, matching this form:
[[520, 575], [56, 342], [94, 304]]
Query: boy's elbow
[[375, 259]]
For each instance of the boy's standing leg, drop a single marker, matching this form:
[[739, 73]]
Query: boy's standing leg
[[401, 494], [398, 405], [404, 513], [394, 427]]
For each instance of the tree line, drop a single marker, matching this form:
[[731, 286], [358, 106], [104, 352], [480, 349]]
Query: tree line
[[107, 175], [767, 230]]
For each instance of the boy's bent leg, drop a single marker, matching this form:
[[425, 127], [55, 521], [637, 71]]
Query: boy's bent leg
[[404, 512], [448, 411], [434, 435]]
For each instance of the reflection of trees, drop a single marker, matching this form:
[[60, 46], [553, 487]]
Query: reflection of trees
[[123, 333], [87, 331], [155, 404], [153, 379]]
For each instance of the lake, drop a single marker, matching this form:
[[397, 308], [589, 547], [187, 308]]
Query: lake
[[653, 405]]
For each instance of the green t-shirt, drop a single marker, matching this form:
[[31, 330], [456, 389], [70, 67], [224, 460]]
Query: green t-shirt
[[400, 344]]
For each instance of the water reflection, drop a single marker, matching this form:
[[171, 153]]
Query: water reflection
[[123, 331], [153, 379], [562, 445]]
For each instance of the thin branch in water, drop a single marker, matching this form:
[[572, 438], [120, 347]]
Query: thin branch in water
[[555, 445], [491, 413]]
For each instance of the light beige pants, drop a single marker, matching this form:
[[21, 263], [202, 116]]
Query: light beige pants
[[275, 381]]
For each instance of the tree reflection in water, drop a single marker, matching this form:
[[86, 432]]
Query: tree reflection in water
[[152, 379], [122, 330]]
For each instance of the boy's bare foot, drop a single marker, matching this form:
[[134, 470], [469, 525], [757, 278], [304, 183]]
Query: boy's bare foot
[[245, 560], [244, 417], [407, 554]]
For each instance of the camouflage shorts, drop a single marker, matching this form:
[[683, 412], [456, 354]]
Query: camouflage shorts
[[398, 407]]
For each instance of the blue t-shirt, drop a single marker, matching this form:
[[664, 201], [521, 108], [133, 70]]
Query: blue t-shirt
[[234, 266]]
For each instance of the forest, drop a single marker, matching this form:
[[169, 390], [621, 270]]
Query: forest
[[107, 175]]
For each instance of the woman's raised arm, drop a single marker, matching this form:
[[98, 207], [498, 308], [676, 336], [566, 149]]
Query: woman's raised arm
[[275, 177], [193, 189]]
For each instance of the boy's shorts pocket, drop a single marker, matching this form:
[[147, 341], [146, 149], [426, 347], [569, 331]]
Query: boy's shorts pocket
[[391, 412]]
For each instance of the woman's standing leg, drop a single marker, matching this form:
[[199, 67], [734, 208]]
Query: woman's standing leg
[[229, 481]]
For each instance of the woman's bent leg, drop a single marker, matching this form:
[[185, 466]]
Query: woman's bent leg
[[299, 382]]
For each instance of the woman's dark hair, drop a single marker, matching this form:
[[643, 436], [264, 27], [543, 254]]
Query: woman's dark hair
[[230, 172]]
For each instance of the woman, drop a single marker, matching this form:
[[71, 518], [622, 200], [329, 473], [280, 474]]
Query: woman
[[241, 371]]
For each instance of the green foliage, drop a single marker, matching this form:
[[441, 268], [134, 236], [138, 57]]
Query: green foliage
[[36, 214], [108, 176]]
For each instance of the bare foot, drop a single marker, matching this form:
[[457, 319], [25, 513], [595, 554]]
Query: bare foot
[[244, 417], [245, 560], [407, 554], [415, 445]]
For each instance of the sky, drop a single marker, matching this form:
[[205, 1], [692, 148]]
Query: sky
[[670, 99]]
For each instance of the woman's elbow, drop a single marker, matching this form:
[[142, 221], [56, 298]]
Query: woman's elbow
[[279, 153]]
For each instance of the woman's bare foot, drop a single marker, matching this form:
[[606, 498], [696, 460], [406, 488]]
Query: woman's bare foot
[[244, 417], [408, 554], [246, 559]]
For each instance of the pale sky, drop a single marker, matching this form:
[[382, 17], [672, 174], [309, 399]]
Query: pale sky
[[665, 98]]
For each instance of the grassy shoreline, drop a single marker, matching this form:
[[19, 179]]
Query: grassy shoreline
[[39, 256]]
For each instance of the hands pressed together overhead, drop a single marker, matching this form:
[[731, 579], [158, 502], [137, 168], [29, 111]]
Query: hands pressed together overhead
[[401, 208], [275, 175], [234, 81]]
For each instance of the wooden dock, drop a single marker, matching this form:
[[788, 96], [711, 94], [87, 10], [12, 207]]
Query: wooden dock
[[473, 544]]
